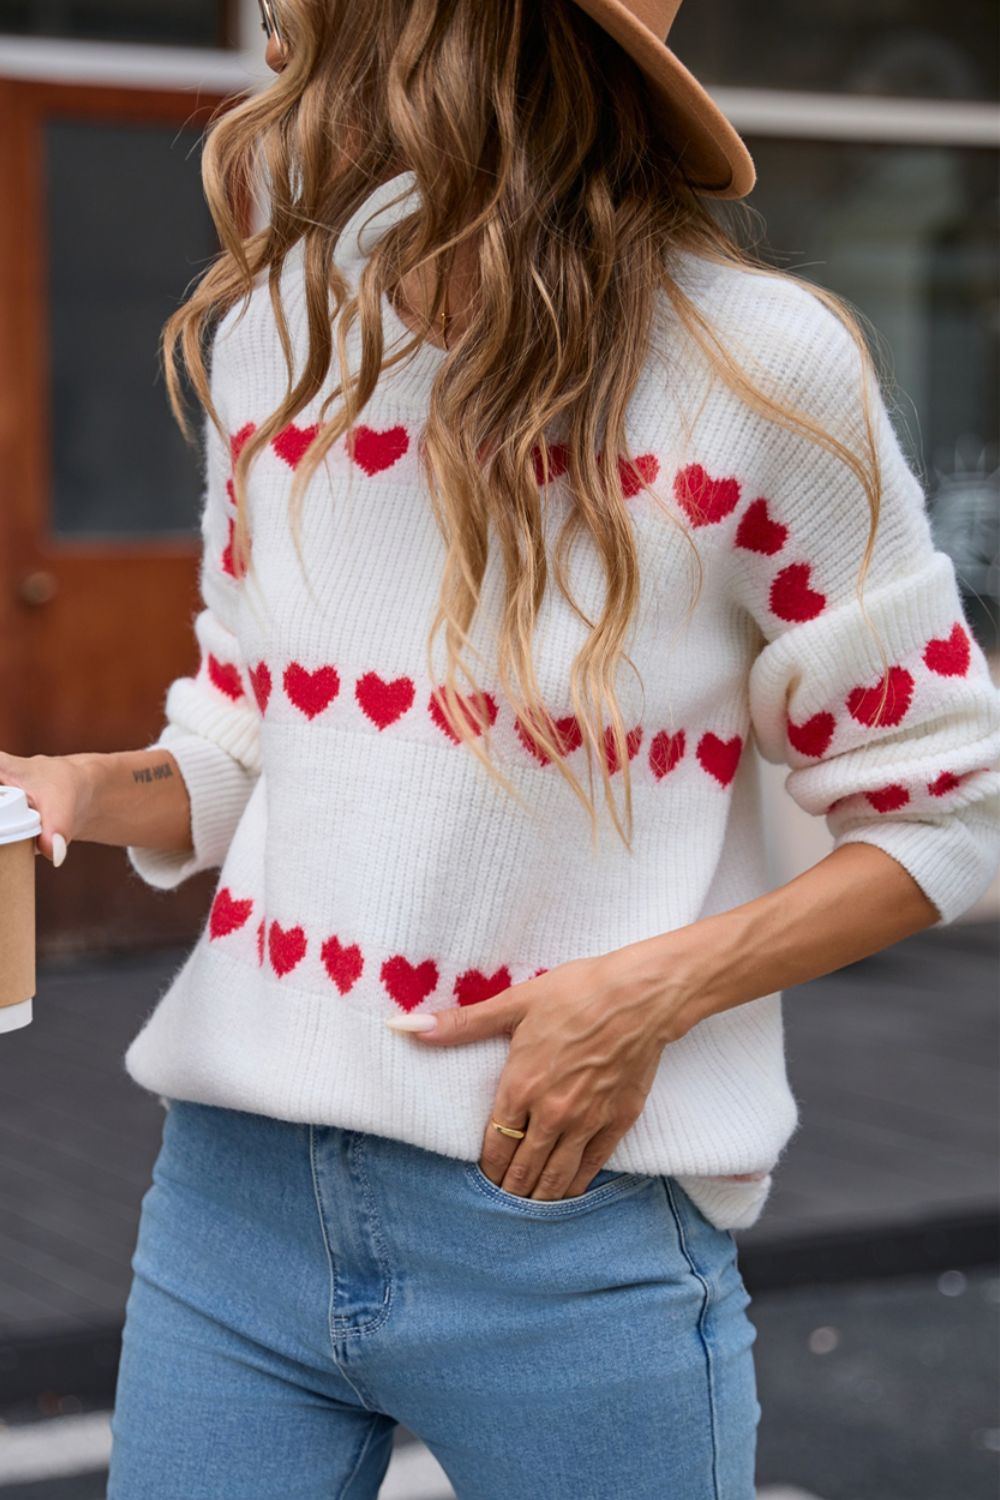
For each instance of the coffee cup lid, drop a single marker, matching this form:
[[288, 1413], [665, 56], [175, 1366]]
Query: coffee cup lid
[[18, 819]]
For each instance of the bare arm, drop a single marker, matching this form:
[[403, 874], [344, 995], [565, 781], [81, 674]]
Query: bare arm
[[125, 797], [854, 902], [133, 797]]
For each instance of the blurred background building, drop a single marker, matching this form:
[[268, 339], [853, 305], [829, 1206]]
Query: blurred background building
[[874, 128]]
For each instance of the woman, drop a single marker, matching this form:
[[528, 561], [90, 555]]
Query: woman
[[492, 378]]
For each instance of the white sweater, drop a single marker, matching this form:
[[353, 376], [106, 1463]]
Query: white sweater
[[368, 862]]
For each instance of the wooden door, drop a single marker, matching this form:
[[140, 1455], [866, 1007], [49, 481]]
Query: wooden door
[[103, 227]]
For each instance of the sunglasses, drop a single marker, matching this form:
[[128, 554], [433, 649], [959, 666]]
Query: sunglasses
[[269, 20]]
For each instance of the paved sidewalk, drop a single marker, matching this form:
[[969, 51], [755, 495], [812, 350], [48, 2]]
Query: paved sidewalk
[[894, 1167]]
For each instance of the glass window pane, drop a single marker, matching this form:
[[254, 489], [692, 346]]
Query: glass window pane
[[187, 23], [908, 234], [912, 48], [127, 229]]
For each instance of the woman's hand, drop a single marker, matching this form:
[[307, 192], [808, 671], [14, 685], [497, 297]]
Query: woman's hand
[[586, 1040], [57, 788]]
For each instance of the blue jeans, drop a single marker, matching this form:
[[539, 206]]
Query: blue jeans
[[299, 1290]]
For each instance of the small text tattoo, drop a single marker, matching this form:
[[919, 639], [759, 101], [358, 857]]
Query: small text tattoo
[[153, 773]]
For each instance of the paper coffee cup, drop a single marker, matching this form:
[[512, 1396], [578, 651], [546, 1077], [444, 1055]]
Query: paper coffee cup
[[19, 826]]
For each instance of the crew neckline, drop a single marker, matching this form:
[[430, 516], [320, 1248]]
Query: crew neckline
[[388, 202]]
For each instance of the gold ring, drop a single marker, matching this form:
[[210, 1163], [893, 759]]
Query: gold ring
[[509, 1130]]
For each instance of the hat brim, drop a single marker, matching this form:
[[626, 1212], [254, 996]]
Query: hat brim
[[711, 153]]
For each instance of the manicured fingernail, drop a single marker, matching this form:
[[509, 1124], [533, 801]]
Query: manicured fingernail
[[412, 1023], [58, 849]]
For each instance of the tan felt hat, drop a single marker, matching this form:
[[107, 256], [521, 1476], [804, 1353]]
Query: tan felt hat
[[712, 155]]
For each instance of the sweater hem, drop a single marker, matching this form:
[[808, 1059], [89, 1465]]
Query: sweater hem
[[227, 1034]]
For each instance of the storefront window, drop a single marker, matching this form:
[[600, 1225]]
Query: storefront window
[[128, 229], [901, 48], [178, 23]]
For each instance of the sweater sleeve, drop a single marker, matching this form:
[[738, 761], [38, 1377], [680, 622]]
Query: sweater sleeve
[[212, 724], [915, 774]]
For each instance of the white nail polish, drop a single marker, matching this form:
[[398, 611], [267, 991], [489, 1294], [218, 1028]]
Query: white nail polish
[[58, 849], [411, 1023]]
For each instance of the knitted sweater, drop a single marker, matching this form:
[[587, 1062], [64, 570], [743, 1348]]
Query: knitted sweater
[[369, 864]]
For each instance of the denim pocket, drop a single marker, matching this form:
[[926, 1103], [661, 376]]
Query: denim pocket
[[605, 1186]]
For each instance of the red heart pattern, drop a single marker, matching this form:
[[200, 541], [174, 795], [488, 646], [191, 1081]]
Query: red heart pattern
[[225, 675], [952, 656], [343, 964], [888, 798], [566, 732], [791, 597], [384, 702], [719, 757], [633, 739], [473, 985], [228, 914], [260, 682], [757, 532], [286, 947], [409, 984], [260, 941], [474, 718], [291, 443], [705, 500], [863, 702], [311, 692], [375, 451], [813, 736], [946, 782], [665, 751]]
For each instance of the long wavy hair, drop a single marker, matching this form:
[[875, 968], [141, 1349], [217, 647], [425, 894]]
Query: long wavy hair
[[530, 138]]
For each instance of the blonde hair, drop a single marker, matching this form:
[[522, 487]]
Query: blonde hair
[[529, 136]]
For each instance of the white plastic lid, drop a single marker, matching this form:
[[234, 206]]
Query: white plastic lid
[[18, 819]]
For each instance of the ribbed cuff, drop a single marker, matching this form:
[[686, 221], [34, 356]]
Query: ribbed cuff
[[218, 787], [953, 862]]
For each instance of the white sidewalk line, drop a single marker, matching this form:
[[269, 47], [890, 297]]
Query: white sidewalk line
[[58, 1446]]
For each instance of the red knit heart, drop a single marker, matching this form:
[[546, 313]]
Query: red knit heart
[[565, 731], [705, 500], [757, 532], [409, 984], [863, 702], [951, 656], [633, 739], [228, 564], [558, 457], [260, 941], [286, 946], [947, 781], [344, 965], [473, 985], [538, 972], [720, 758], [473, 716], [227, 914], [239, 439], [225, 676], [291, 442], [888, 798], [665, 751], [813, 736], [791, 597], [374, 451], [384, 702], [633, 475], [260, 682], [311, 691]]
